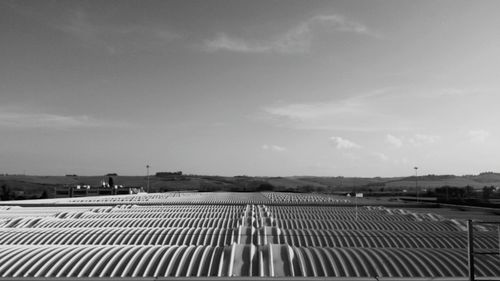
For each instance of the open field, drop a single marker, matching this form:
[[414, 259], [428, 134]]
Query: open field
[[267, 234], [31, 187]]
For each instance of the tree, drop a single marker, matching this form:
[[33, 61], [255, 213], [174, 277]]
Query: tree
[[44, 195], [5, 192], [487, 190], [468, 192], [265, 187], [111, 182]]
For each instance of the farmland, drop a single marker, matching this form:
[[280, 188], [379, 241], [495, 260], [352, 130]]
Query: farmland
[[31, 187], [260, 234]]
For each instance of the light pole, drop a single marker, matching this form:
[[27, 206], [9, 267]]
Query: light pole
[[355, 198], [416, 181], [147, 173]]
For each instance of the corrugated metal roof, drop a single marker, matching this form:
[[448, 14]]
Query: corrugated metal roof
[[247, 239]]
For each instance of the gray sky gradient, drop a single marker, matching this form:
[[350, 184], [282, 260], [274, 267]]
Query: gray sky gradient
[[327, 88]]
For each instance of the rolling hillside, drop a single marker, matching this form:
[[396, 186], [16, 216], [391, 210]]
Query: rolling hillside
[[27, 186]]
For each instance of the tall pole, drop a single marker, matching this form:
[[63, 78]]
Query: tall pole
[[416, 182], [355, 198], [470, 250], [147, 173]]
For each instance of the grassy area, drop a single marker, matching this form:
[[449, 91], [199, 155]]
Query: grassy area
[[27, 186]]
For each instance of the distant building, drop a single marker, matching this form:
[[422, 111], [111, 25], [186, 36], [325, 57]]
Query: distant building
[[168, 174], [87, 190]]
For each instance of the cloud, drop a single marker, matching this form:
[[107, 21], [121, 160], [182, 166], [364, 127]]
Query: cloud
[[381, 156], [478, 136], [415, 140], [357, 104], [395, 141], [23, 120], [341, 143], [116, 38], [305, 111], [273, 147], [296, 40], [460, 92], [396, 110], [421, 139], [454, 92], [355, 113], [223, 42]]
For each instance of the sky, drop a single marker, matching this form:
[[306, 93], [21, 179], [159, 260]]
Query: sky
[[257, 88]]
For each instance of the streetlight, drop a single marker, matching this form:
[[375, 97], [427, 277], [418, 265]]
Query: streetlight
[[355, 198], [416, 181], [147, 173]]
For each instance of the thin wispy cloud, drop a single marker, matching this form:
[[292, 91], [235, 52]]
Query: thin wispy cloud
[[356, 104], [381, 156], [224, 42], [456, 93], [23, 120], [414, 140], [393, 109], [116, 38], [395, 141], [422, 139], [295, 40], [478, 136], [342, 143], [355, 113], [273, 147]]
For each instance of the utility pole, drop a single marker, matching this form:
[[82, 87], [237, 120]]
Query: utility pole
[[470, 250], [416, 182], [355, 198], [147, 176]]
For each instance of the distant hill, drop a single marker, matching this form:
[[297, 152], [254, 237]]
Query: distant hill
[[25, 186]]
